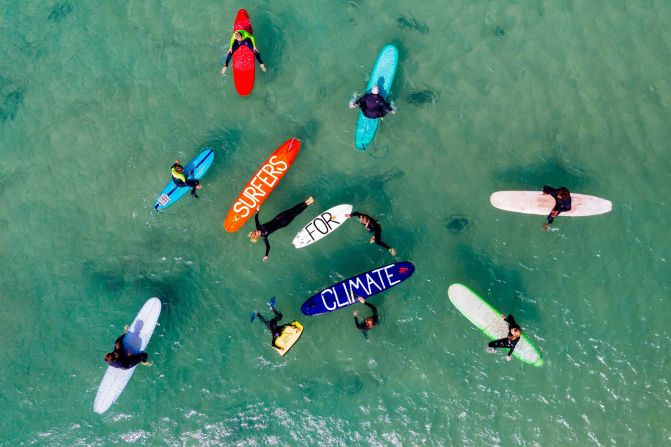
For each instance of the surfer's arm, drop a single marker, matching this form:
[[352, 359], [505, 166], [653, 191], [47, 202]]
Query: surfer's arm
[[513, 343], [251, 37], [230, 45], [256, 221], [373, 308], [355, 214], [265, 241], [550, 190], [511, 321]]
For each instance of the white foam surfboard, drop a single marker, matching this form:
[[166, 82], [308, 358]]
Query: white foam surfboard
[[322, 225], [136, 340], [489, 321], [535, 202]]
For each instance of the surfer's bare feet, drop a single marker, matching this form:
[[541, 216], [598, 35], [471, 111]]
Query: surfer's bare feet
[[263, 68], [309, 201], [546, 226], [199, 187], [392, 251], [125, 329], [490, 350], [147, 363], [223, 71]]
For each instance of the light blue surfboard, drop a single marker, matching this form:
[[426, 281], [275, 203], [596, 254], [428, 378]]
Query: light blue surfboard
[[382, 76], [196, 169]]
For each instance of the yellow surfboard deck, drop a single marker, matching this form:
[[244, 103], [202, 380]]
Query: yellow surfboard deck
[[289, 337]]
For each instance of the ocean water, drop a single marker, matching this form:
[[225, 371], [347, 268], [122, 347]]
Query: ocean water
[[98, 98]]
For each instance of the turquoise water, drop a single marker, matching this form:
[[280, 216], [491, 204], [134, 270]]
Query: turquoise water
[[98, 98]]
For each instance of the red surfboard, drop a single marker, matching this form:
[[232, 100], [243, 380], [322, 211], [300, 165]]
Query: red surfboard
[[243, 59], [261, 185]]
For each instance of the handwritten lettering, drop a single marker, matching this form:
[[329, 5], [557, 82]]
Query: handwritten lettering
[[260, 186]]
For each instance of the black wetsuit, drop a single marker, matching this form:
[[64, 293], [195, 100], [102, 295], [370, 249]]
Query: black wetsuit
[[190, 183], [507, 342], [125, 361], [373, 106], [374, 228], [237, 44], [272, 324], [561, 205], [362, 326], [280, 221]]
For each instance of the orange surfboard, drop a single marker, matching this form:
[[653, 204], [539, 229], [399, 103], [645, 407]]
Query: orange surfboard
[[261, 185]]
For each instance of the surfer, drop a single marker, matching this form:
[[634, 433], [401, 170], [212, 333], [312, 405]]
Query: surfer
[[514, 334], [272, 323], [125, 360], [372, 104], [181, 181], [373, 227], [240, 38], [368, 322], [280, 221], [562, 198]]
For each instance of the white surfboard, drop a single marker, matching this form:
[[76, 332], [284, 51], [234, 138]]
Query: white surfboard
[[535, 202], [136, 340], [322, 225], [489, 321]]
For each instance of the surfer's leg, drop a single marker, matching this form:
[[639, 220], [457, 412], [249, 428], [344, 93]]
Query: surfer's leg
[[500, 343], [378, 238], [285, 217], [194, 186]]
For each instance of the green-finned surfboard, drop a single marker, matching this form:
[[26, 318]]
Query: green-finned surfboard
[[489, 321]]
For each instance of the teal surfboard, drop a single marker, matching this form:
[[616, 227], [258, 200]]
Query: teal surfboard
[[196, 169], [383, 76]]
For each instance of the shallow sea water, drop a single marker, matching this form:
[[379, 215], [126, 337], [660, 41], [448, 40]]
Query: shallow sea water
[[98, 98]]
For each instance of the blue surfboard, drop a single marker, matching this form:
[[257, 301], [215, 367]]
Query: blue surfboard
[[196, 169], [382, 76], [364, 285]]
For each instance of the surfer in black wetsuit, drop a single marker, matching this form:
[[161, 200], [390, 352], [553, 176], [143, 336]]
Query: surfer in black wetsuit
[[240, 38], [562, 198], [372, 104], [124, 359], [280, 221], [368, 322], [514, 334], [272, 323], [373, 227], [181, 181]]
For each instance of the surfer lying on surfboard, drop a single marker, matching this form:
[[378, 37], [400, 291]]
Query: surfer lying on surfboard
[[122, 359], [562, 198], [514, 334], [373, 227], [368, 322], [272, 326], [178, 176], [280, 221], [240, 38], [372, 104]]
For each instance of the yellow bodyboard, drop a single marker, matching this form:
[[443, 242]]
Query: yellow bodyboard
[[289, 337]]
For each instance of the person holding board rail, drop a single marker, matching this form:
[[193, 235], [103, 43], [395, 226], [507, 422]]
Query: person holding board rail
[[514, 334], [178, 176], [272, 324], [280, 221], [240, 38], [372, 104], [373, 227], [368, 322], [562, 198], [122, 359]]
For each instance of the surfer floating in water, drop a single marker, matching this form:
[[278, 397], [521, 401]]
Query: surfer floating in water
[[240, 38], [372, 104], [280, 221], [514, 334], [272, 323], [181, 181], [562, 198], [124, 359], [368, 322], [373, 227]]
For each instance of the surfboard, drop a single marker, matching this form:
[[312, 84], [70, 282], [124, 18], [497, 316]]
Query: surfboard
[[244, 65], [136, 340], [196, 169], [535, 202], [261, 184], [288, 338], [382, 75], [322, 225], [365, 285], [488, 320]]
